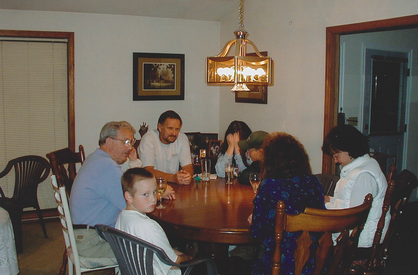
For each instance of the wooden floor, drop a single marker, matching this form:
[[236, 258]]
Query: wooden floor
[[43, 256]]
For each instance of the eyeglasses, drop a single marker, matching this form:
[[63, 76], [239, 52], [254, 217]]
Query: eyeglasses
[[127, 142]]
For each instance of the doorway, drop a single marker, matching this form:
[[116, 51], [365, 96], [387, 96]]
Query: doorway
[[384, 106], [332, 72]]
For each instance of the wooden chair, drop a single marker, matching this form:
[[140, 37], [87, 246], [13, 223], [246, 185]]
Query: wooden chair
[[328, 181], [64, 163], [76, 263], [347, 222], [29, 171], [135, 256], [399, 190]]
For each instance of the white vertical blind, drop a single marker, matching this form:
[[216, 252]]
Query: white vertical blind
[[33, 102]]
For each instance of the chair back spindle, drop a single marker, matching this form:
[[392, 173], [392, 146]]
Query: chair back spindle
[[76, 262], [348, 223], [135, 255]]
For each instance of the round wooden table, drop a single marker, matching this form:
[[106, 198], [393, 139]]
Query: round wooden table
[[211, 213]]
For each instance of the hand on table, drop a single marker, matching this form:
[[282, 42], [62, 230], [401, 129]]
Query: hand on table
[[183, 177], [326, 199], [169, 193]]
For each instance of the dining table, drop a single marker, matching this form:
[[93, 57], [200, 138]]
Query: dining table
[[212, 213], [8, 257]]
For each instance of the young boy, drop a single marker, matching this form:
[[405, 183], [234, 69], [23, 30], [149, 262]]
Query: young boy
[[139, 189]]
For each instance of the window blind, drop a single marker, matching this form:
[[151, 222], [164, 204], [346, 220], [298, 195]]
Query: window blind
[[33, 102]]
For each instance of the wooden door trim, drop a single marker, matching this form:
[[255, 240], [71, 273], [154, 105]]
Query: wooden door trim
[[332, 67]]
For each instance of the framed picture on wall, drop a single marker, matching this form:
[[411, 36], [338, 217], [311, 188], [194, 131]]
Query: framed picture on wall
[[205, 138], [194, 141], [257, 93], [158, 76], [214, 148]]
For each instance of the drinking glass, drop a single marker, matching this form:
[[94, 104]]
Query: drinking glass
[[229, 173], [161, 187], [205, 167], [255, 181]]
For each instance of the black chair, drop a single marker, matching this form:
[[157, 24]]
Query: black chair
[[135, 256], [29, 171]]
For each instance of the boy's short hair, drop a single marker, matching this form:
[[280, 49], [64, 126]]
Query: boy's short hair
[[133, 175]]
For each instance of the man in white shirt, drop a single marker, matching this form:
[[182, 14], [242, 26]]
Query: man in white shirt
[[166, 152]]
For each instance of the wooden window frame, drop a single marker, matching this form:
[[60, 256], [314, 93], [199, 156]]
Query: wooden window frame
[[70, 70]]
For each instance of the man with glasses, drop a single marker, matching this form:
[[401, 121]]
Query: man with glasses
[[96, 195]]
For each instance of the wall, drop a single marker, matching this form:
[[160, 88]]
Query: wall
[[293, 33], [103, 67]]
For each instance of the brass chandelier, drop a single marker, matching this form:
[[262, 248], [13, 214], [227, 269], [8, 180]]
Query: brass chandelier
[[240, 69]]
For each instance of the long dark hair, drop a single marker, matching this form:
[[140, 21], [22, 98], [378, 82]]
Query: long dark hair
[[244, 131], [284, 157]]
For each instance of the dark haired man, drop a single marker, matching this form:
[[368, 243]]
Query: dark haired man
[[165, 150]]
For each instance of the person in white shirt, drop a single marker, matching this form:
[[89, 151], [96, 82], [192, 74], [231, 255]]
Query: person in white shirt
[[165, 152], [360, 175], [139, 189]]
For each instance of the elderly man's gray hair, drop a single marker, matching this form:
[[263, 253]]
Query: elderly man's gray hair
[[112, 128]]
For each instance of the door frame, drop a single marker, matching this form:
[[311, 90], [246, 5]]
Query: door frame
[[332, 67]]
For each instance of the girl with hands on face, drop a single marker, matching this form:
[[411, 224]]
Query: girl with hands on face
[[230, 152]]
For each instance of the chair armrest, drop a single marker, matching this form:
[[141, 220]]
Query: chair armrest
[[6, 170], [210, 265]]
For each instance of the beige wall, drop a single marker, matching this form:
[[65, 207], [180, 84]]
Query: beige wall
[[103, 67], [293, 32]]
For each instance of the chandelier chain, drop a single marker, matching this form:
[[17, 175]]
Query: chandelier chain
[[241, 15]]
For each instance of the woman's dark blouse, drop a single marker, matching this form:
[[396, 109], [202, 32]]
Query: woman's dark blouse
[[297, 194]]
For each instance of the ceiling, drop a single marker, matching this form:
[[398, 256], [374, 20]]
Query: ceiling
[[209, 10]]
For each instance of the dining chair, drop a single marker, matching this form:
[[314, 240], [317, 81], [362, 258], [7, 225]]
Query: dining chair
[[334, 258], [77, 264], [399, 190], [328, 181], [29, 172], [64, 166], [135, 256]]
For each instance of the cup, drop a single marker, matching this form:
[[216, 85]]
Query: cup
[[229, 173], [205, 166]]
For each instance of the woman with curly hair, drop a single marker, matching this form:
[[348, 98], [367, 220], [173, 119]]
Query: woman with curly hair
[[230, 151], [287, 176]]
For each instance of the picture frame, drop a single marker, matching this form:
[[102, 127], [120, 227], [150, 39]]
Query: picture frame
[[257, 93], [194, 141], [205, 139], [214, 148], [158, 76]]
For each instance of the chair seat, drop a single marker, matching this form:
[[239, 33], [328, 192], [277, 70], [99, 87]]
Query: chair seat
[[91, 262]]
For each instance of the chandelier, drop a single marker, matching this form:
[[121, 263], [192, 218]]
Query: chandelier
[[242, 68]]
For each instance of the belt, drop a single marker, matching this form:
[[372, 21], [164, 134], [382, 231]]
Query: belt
[[82, 226]]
